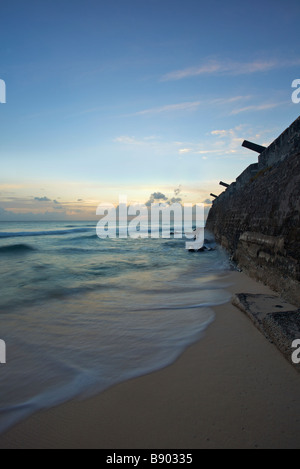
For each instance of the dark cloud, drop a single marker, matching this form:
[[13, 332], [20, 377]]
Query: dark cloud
[[55, 202], [42, 199], [177, 191], [156, 197], [207, 201], [160, 197], [175, 200]]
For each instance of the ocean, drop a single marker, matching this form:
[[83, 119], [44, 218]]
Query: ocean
[[79, 314]]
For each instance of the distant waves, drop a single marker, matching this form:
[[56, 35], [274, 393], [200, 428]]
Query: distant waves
[[44, 233]]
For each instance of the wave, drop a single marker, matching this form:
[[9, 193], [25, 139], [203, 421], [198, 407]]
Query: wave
[[85, 224], [207, 304], [88, 236], [16, 249], [73, 250], [21, 234]]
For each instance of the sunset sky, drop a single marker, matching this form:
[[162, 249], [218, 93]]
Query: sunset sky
[[135, 97]]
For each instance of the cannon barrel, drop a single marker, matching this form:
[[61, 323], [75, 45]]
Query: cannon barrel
[[214, 195], [224, 184], [253, 146]]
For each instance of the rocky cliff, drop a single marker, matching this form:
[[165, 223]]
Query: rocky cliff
[[257, 219]]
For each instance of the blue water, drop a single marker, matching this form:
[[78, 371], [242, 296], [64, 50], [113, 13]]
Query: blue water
[[79, 314]]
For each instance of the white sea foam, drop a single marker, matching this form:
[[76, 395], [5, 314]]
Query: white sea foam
[[80, 315]]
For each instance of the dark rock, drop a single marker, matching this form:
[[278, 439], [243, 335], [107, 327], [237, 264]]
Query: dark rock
[[280, 328]]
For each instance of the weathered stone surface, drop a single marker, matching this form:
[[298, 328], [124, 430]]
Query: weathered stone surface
[[257, 219], [278, 320], [283, 328], [283, 147], [258, 307]]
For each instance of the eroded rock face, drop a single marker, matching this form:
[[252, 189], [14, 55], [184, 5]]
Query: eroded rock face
[[259, 224], [275, 318]]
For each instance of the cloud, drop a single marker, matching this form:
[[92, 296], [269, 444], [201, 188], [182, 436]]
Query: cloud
[[156, 197], [221, 133], [258, 107], [160, 197], [175, 200], [186, 106], [222, 142], [55, 202], [127, 140], [230, 68], [42, 199], [230, 99], [228, 142], [7, 215], [219, 143], [192, 71], [177, 190]]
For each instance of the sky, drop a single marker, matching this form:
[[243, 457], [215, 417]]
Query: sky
[[138, 98]]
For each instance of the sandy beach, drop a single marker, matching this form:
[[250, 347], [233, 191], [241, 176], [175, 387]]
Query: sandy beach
[[232, 389]]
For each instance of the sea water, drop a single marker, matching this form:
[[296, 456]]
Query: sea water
[[79, 314]]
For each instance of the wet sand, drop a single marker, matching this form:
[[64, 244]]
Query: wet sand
[[232, 389]]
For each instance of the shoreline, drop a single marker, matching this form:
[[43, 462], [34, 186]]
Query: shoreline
[[231, 389]]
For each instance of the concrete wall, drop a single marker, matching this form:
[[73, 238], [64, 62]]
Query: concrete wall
[[257, 219], [285, 145]]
